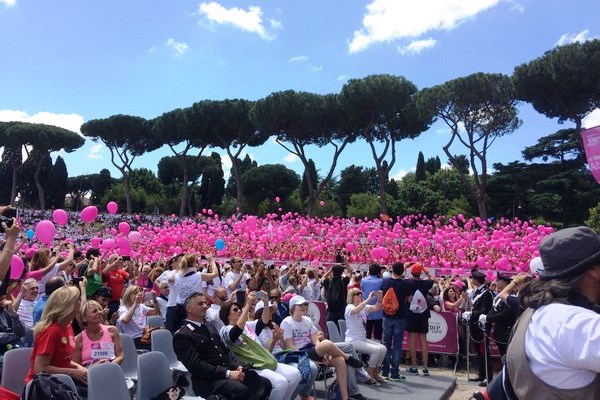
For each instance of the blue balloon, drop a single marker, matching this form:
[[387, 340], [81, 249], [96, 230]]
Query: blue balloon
[[30, 233], [220, 244]]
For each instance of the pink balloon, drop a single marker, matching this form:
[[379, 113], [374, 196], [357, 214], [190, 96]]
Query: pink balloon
[[112, 207], [108, 244], [134, 236], [89, 213], [321, 203], [16, 267], [124, 247], [60, 217], [95, 241], [315, 263], [277, 199], [350, 246], [460, 254], [124, 228], [45, 231]]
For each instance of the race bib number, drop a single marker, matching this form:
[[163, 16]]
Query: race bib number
[[102, 351]]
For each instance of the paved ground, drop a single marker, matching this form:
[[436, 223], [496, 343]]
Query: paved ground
[[434, 387]]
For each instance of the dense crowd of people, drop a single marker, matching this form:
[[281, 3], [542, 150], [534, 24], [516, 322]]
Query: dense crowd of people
[[241, 325]]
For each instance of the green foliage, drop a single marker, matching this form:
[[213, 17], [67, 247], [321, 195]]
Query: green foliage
[[267, 182], [561, 145], [212, 187], [420, 173], [57, 186], [564, 83], [367, 205], [144, 178], [594, 219]]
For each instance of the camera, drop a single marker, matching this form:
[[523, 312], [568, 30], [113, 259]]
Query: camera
[[7, 217]]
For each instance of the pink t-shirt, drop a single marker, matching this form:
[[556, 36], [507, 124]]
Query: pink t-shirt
[[96, 350]]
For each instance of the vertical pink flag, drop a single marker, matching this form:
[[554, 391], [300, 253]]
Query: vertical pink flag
[[591, 143]]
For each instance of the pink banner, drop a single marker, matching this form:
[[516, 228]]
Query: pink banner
[[591, 143], [318, 313], [442, 337]]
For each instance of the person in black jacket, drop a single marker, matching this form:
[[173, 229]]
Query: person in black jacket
[[214, 368], [501, 316], [11, 329], [482, 300]]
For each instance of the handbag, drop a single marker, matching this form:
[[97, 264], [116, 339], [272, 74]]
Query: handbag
[[146, 338], [254, 354]]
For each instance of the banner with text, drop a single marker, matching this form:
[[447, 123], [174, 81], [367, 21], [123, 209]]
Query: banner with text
[[591, 143]]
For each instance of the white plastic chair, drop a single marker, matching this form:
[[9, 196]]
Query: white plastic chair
[[342, 325], [162, 340], [130, 356], [154, 375], [333, 333], [106, 381], [15, 367], [154, 321]]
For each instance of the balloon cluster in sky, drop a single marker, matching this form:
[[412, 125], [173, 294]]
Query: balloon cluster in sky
[[452, 244]]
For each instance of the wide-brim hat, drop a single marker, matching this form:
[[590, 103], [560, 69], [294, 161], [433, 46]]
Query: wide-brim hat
[[501, 277], [569, 252]]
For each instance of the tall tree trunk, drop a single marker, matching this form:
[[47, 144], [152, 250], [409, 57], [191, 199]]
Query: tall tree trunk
[[127, 186], [13, 191], [239, 200], [312, 193], [381, 178], [38, 184], [185, 192]]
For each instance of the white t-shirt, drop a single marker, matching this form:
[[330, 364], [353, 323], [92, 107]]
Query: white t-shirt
[[299, 331], [162, 306], [164, 277], [266, 338], [312, 290], [356, 323], [135, 327], [42, 282], [187, 285], [231, 277], [563, 345], [216, 282], [25, 312], [249, 330], [212, 317]]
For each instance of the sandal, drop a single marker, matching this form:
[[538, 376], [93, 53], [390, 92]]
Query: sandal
[[371, 382]]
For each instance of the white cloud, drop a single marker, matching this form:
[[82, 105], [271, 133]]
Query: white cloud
[[342, 78], [71, 122], [94, 153], [592, 120], [388, 20], [417, 46], [275, 24], [399, 175], [290, 158], [8, 3], [249, 21], [299, 59], [517, 6], [317, 69], [568, 38], [180, 47]]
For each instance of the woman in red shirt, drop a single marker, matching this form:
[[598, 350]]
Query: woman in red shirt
[[55, 341]]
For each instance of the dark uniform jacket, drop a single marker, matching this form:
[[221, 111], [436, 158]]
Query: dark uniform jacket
[[201, 350], [503, 319]]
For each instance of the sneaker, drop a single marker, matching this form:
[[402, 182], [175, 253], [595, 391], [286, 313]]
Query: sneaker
[[385, 377], [354, 362], [412, 370], [397, 378], [357, 396], [425, 372]]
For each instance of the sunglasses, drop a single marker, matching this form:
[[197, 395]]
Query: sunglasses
[[235, 309], [358, 294], [274, 297]]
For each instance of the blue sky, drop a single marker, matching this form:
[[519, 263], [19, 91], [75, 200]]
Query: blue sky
[[70, 61]]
